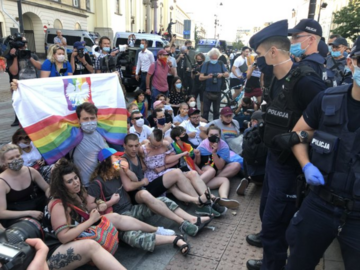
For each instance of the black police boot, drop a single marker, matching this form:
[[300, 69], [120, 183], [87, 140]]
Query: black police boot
[[254, 264], [16, 122], [254, 240]]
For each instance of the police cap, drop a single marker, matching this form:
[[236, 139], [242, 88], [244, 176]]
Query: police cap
[[279, 29], [355, 51], [307, 25]]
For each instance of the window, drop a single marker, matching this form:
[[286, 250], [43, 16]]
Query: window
[[76, 3], [88, 42], [117, 7], [88, 6]]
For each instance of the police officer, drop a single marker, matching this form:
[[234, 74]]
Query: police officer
[[332, 208], [336, 60], [293, 88]]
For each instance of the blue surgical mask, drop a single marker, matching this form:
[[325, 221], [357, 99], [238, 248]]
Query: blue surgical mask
[[178, 85], [263, 67], [295, 49], [213, 61], [356, 74], [106, 49], [142, 46], [335, 54], [161, 121], [346, 69], [330, 48]]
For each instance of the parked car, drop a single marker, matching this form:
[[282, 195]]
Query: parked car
[[154, 41]]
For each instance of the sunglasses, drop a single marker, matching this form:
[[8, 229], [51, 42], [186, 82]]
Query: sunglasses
[[23, 138], [137, 118]]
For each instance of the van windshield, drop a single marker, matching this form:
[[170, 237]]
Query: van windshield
[[203, 49]]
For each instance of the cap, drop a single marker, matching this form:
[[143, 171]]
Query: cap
[[323, 48], [279, 28], [355, 51], [193, 111], [307, 25], [162, 52], [226, 111], [107, 152], [157, 103], [78, 45], [339, 41], [257, 115]]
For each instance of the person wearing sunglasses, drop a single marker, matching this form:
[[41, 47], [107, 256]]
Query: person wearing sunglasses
[[138, 126], [332, 208], [336, 61]]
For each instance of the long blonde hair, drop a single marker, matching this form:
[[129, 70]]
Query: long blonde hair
[[52, 50]]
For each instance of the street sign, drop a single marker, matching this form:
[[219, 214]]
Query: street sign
[[45, 28]]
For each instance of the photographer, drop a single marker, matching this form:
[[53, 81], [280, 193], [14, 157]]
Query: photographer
[[246, 108], [213, 73], [80, 61], [199, 86], [21, 63], [106, 65]]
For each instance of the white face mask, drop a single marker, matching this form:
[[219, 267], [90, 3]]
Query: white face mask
[[89, 127], [23, 145], [192, 104], [140, 122], [60, 58]]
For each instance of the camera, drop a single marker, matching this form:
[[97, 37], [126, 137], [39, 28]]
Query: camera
[[246, 123], [81, 53], [110, 63], [214, 78], [15, 254]]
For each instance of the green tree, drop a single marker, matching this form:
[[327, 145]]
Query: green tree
[[347, 20], [237, 45]]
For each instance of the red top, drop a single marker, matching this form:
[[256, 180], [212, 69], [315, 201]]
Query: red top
[[159, 80]]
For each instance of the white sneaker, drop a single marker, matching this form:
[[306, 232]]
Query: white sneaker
[[162, 231], [240, 190]]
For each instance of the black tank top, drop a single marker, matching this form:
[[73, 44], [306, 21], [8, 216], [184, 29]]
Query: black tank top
[[135, 169]]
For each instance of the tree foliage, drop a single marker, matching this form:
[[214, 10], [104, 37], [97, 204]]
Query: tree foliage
[[347, 20], [238, 45]]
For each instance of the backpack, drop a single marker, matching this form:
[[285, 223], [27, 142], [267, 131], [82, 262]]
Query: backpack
[[223, 82], [254, 150]]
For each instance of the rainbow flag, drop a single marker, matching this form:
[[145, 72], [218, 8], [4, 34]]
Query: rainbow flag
[[46, 109]]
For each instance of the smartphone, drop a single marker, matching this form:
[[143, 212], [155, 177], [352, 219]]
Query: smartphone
[[62, 71]]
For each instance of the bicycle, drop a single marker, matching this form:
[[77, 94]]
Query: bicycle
[[226, 99]]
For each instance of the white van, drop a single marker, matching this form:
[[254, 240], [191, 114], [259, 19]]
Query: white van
[[71, 37], [121, 38]]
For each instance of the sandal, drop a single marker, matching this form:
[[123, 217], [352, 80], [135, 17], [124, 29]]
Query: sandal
[[204, 224], [181, 237]]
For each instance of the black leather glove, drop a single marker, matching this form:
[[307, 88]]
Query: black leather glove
[[285, 141]]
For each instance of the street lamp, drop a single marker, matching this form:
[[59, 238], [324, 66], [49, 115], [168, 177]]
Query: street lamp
[[322, 5]]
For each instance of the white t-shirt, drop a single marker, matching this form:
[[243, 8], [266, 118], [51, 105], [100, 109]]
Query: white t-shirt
[[145, 133], [238, 63], [32, 156], [190, 128]]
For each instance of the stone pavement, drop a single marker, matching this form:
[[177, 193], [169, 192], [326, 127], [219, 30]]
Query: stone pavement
[[222, 249]]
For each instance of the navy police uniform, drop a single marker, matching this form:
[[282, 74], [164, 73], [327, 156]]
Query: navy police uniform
[[332, 210], [284, 108]]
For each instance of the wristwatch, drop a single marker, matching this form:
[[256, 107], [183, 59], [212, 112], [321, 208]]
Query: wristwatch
[[303, 136]]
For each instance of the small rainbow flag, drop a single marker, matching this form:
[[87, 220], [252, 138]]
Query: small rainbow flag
[[46, 109]]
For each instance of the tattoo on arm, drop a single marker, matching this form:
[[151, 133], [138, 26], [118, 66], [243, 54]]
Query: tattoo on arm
[[59, 260]]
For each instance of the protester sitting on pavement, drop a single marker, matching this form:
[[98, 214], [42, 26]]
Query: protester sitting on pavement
[[159, 119], [22, 188], [56, 63], [229, 127], [135, 202], [159, 104], [30, 154], [131, 108], [163, 177], [244, 111], [215, 152], [81, 62], [139, 100], [177, 94], [183, 114], [207, 174], [167, 107], [194, 128], [138, 128], [67, 192]]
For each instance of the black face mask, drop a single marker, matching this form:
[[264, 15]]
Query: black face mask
[[199, 62], [185, 138], [263, 67], [213, 139], [189, 47]]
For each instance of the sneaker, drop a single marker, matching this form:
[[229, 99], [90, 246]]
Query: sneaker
[[254, 264], [163, 231], [188, 228], [219, 208], [240, 190], [207, 210]]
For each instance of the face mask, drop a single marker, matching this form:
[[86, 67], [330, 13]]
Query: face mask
[[116, 165], [178, 85], [185, 138], [140, 122], [106, 49], [161, 121], [213, 61], [89, 127], [199, 62], [189, 47], [142, 46], [60, 58], [192, 104], [330, 48], [295, 49], [16, 164], [335, 54], [213, 139], [163, 61], [23, 145], [356, 74], [263, 67]]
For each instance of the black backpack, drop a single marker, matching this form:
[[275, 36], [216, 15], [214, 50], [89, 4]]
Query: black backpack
[[254, 150]]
